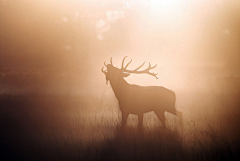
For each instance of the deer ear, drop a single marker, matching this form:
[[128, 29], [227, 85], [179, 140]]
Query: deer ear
[[125, 74]]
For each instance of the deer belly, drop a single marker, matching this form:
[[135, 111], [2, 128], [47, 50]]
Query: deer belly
[[146, 103], [137, 105]]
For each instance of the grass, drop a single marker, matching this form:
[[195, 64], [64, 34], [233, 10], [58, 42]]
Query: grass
[[55, 127]]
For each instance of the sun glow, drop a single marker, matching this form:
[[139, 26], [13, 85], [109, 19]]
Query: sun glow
[[168, 11], [163, 3]]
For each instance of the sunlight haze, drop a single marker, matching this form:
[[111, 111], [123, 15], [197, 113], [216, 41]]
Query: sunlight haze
[[180, 36], [119, 80]]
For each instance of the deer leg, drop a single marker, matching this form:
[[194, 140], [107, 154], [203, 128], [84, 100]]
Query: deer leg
[[124, 119], [179, 114], [140, 120], [161, 117]]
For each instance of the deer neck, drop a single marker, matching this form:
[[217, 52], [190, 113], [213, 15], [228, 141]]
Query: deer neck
[[119, 87]]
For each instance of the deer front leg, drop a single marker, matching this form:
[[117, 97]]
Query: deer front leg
[[161, 117], [124, 119], [140, 120]]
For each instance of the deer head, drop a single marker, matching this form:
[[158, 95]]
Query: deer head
[[113, 73]]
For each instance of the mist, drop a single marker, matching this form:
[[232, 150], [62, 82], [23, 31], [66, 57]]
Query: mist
[[188, 40], [52, 89]]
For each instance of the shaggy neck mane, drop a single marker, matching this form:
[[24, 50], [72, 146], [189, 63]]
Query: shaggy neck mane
[[119, 87]]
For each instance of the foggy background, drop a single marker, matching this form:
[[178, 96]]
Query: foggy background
[[54, 101], [52, 46]]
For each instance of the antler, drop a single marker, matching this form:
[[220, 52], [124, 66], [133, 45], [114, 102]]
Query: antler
[[106, 64], [135, 71], [124, 68], [104, 71], [111, 61]]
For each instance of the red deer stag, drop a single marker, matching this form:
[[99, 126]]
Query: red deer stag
[[134, 99]]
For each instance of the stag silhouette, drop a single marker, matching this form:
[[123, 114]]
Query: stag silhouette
[[134, 99]]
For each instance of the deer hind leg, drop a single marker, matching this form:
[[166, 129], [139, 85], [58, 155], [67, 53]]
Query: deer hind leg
[[161, 117], [179, 114], [124, 118], [176, 112], [140, 120]]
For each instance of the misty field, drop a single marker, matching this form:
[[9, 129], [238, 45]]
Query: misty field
[[56, 57], [80, 127]]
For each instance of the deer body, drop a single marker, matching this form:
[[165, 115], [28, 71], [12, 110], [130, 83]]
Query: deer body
[[134, 99], [143, 99]]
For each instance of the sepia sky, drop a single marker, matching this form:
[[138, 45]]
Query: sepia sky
[[79, 35]]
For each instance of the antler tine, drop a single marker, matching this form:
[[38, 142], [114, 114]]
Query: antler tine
[[153, 74], [153, 66], [123, 68], [103, 70], [149, 67], [105, 63], [128, 64], [123, 62], [111, 61], [146, 71], [139, 66]]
